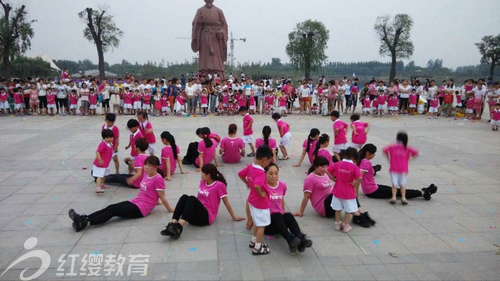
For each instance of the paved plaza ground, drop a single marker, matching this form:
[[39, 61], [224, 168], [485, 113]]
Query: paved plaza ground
[[451, 237]]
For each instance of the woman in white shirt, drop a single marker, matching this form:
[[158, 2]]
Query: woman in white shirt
[[42, 94], [190, 89], [432, 91], [404, 95], [62, 97]]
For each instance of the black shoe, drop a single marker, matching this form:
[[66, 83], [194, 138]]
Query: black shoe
[[175, 230], [369, 219], [251, 155], [361, 221], [72, 214], [376, 169], [304, 243], [80, 222], [293, 243], [92, 174], [432, 189], [165, 232]]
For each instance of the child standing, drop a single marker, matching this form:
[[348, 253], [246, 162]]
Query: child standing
[[382, 99], [170, 156], [146, 101], [147, 130], [179, 103], [366, 105], [73, 101], [93, 101], [340, 129], [204, 101], [137, 101], [308, 147], [109, 124], [433, 107], [469, 111], [348, 178], [495, 117], [285, 135], [135, 134], [51, 101], [375, 106], [399, 155], [128, 101], [4, 101], [258, 199], [157, 104], [283, 99], [164, 104], [359, 131], [393, 104], [269, 101], [251, 103], [103, 158], [413, 102], [247, 129], [34, 100], [18, 100]]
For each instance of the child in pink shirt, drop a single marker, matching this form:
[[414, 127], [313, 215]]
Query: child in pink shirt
[[206, 150], [269, 102], [413, 102], [281, 222], [247, 129], [433, 107], [164, 104], [382, 100], [318, 189], [308, 146], [152, 189], [170, 156], [285, 135], [283, 99], [147, 130], [348, 178], [399, 155], [110, 125], [321, 148], [392, 104], [135, 134], [267, 140], [93, 101], [203, 209], [204, 100], [359, 132], [51, 101], [366, 105], [251, 103], [258, 201], [103, 158], [340, 129], [146, 101], [232, 147]]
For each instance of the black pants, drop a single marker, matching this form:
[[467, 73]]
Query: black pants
[[120, 179], [191, 154], [61, 103], [403, 103], [385, 191], [284, 224], [125, 209], [329, 211], [190, 209], [348, 101], [43, 101], [105, 103], [27, 103]]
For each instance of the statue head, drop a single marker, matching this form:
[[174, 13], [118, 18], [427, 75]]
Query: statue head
[[209, 3]]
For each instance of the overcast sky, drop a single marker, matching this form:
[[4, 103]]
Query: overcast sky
[[442, 29]]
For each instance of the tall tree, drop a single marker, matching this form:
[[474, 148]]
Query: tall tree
[[306, 46], [15, 35], [395, 38], [489, 47], [102, 31]]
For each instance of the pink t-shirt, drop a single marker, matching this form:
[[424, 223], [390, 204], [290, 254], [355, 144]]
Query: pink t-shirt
[[73, 99], [320, 188], [341, 127], [150, 137], [232, 148], [148, 193], [360, 128], [210, 196], [133, 138], [382, 99], [310, 153], [283, 127], [271, 143], [375, 103], [139, 164], [164, 101], [93, 99], [399, 156], [277, 193], [346, 172], [208, 152], [251, 101], [366, 103], [51, 98], [256, 176], [167, 154], [106, 151], [434, 103], [325, 153], [247, 120], [4, 97], [146, 98], [413, 99], [393, 102], [115, 130], [368, 183], [282, 100]]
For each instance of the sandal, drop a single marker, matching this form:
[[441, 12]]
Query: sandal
[[346, 228], [261, 251], [404, 202], [392, 201], [284, 158], [252, 245]]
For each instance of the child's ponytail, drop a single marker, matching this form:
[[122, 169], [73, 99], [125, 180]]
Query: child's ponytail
[[205, 134], [170, 138], [369, 147], [312, 134], [211, 169], [322, 139], [266, 132]]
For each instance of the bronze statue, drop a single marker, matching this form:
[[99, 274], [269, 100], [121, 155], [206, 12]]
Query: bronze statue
[[210, 38]]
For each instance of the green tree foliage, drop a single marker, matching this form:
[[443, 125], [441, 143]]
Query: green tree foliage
[[394, 39], [306, 46], [102, 31], [489, 47], [15, 35], [28, 67]]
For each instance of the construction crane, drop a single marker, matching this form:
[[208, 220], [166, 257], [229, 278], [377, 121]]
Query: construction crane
[[231, 45]]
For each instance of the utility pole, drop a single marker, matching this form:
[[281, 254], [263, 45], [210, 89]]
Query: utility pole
[[231, 55]]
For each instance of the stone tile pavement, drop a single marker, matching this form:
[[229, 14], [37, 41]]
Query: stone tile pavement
[[450, 237]]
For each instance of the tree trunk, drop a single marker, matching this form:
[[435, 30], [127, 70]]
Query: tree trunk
[[7, 44], [492, 70], [307, 68], [100, 54], [392, 74], [6, 64]]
